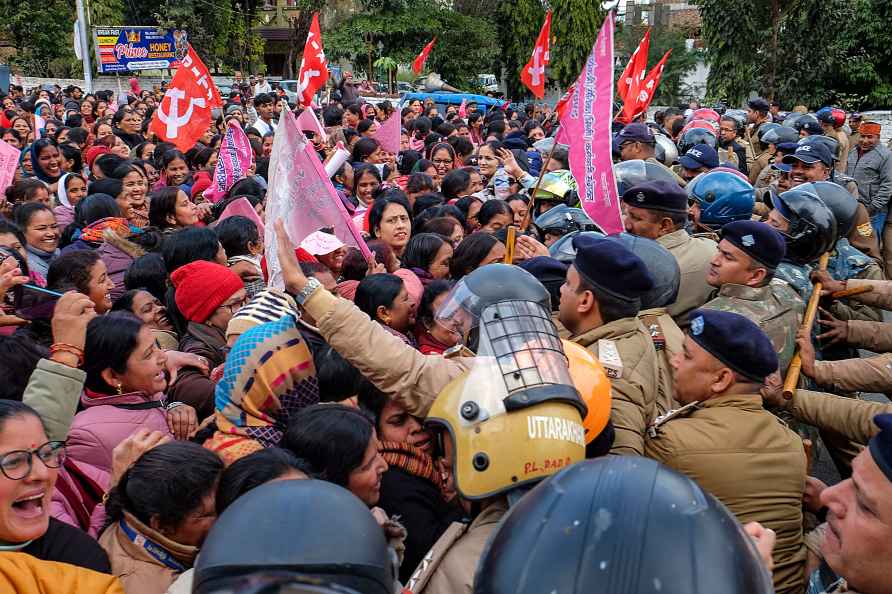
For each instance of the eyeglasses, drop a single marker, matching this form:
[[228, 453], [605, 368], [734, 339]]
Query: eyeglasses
[[234, 307], [17, 464]]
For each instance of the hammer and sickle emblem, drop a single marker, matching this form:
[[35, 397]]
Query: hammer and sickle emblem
[[173, 120]]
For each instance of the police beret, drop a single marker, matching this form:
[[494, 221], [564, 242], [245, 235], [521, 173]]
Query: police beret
[[635, 132], [657, 195], [545, 268], [787, 147], [735, 341], [811, 153], [700, 155], [758, 104], [759, 241], [611, 267], [881, 444]]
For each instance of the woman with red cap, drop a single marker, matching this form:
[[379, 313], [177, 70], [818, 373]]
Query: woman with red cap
[[208, 295]]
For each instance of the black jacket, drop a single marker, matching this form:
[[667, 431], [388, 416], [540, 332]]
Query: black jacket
[[67, 544]]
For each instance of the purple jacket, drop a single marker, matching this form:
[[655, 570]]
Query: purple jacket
[[77, 498], [109, 420]]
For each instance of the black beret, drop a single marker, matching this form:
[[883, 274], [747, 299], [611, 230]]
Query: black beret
[[735, 341], [660, 195], [611, 267], [759, 241], [545, 268], [881, 444], [758, 104]]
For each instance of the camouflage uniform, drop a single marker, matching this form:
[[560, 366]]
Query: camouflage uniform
[[766, 177], [776, 308]]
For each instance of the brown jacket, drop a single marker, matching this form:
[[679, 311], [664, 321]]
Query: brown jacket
[[634, 394], [400, 371], [752, 463], [846, 416], [448, 568], [863, 237], [866, 374], [873, 336], [693, 255], [139, 572], [880, 295], [668, 340]]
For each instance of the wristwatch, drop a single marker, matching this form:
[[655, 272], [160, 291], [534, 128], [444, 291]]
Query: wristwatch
[[309, 289]]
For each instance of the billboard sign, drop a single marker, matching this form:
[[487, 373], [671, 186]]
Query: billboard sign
[[128, 49]]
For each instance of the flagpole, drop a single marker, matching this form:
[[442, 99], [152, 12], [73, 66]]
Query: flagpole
[[524, 223]]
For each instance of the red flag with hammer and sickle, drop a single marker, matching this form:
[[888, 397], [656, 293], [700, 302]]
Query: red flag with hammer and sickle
[[533, 74], [185, 111], [313, 66]]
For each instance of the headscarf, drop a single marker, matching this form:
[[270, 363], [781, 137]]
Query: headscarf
[[22, 155], [62, 191], [95, 230], [39, 173], [269, 375]]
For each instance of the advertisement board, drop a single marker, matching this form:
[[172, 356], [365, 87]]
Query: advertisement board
[[128, 49]]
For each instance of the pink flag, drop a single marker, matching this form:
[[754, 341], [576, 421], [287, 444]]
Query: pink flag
[[585, 125], [39, 124], [463, 108], [307, 121], [388, 133], [233, 162], [242, 207], [301, 194], [9, 161]]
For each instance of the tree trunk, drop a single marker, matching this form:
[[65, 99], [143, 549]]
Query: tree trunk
[[775, 25]]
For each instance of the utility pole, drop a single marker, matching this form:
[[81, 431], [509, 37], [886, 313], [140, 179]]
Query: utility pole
[[84, 43]]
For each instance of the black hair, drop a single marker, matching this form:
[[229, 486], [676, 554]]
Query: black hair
[[10, 409], [364, 125], [73, 154], [167, 483], [360, 170], [125, 301], [349, 135], [24, 190], [139, 148], [18, 359], [311, 269], [254, 470], [163, 203], [423, 165], [72, 270], [247, 186], [422, 249], [355, 265], [107, 164], [363, 148], [421, 126], [444, 226], [110, 341], [160, 149], [470, 253], [332, 438], [78, 135], [376, 212], [419, 182], [111, 186], [464, 203], [95, 207], [425, 201], [436, 212], [406, 161], [236, 233], [445, 129], [189, 245], [376, 290], [337, 378], [492, 208], [147, 272], [13, 229], [263, 99], [23, 213], [455, 183], [169, 156], [332, 116], [442, 146], [462, 146], [433, 290]]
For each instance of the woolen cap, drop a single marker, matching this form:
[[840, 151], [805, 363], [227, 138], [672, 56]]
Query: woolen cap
[[759, 241], [611, 267], [202, 287], [660, 195], [735, 341]]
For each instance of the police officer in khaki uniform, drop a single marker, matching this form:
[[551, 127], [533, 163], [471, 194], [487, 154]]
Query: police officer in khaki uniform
[[659, 211], [600, 302], [636, 141], [742, 271], [725, 440]]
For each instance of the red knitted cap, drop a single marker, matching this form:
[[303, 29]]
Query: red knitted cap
[[202, 287]]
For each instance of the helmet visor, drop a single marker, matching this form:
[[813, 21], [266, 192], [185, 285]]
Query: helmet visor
[[456, 314]]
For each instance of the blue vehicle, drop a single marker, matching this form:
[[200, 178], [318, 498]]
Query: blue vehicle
[[442, 100]]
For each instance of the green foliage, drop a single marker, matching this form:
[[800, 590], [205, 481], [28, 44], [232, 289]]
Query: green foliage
[[518, 23], [574, 27], [679, 64], [42, 33], [465, 45]]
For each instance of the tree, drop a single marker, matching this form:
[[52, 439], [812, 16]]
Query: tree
[[43, 35], [518, 23], [680, 62], [574, 27]]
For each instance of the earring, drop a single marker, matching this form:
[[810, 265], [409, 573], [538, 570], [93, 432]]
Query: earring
[[387, 321], [120, 391]]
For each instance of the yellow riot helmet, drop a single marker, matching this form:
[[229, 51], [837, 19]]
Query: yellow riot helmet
[[515, 417]]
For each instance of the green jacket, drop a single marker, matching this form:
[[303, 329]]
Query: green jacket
[[54, 391]]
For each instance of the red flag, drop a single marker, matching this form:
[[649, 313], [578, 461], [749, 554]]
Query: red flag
[[185, 111], [648, 89], [564, 101], [636, 68], [418, 64], [313, 65], [533, 74]]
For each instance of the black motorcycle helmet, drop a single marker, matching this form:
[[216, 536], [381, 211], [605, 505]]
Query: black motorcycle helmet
[[278, 582], [620, 525], [843, 205], [764, 128], [809, 124], [314, 528], [696, 136], [812, 224], [562, 219]]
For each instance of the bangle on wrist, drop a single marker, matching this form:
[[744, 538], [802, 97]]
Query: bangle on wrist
[[61, 347]]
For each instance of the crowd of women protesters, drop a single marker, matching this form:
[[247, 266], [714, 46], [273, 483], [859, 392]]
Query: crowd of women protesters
[[168, 378]]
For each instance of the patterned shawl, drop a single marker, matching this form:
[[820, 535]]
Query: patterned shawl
[[269, 375], [411, 459]]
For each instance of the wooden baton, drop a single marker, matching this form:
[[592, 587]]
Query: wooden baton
[[808, 320]]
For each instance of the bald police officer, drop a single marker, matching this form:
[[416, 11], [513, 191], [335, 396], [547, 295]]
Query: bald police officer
[[600, 301], [659, 210], [725, 440], [743, 270]]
